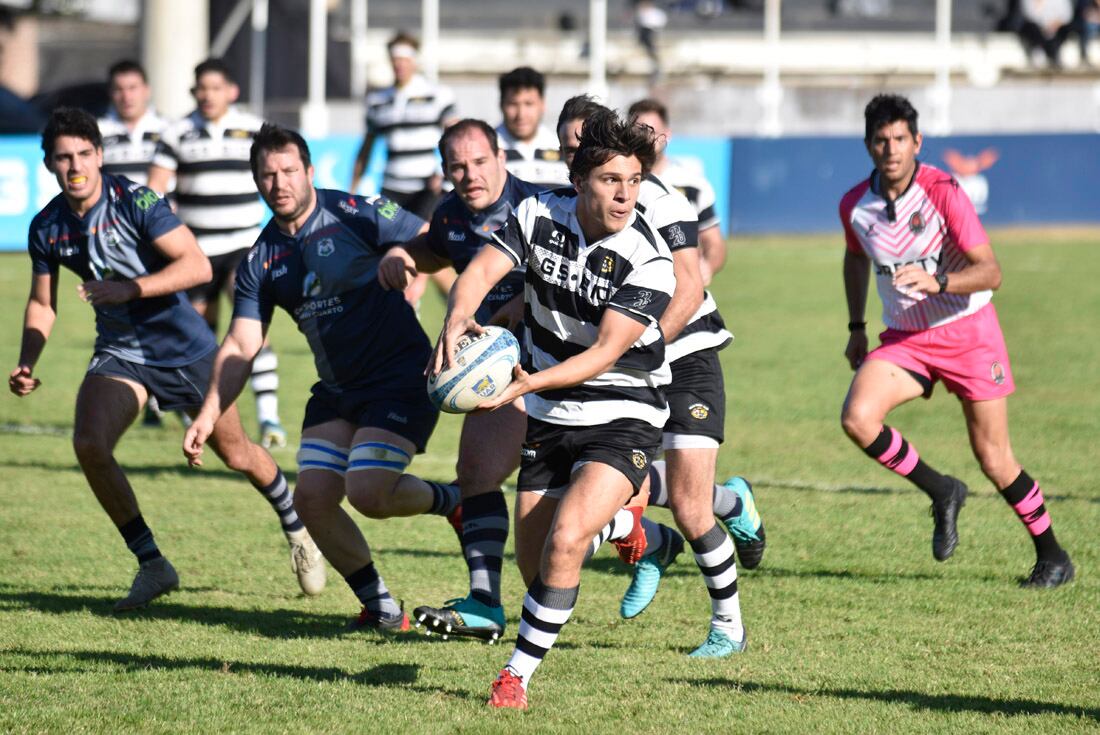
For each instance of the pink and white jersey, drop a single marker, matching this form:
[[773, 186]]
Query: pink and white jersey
[[934, 225]]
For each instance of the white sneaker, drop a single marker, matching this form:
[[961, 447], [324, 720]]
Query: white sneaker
[[307, 562], [154, 578]]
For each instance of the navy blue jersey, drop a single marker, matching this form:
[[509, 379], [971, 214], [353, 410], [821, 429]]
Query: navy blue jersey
[[458, 234], [361, 334], [114, 240]]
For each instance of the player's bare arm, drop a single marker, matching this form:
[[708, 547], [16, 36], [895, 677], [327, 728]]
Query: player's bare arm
[[617, 333], [857, 276], [160, 178], [483, 272], [38, 319], [983, 273], [688, 294], [403, 263], [713, 248], [187, 267], [232, 368], [361, 160]]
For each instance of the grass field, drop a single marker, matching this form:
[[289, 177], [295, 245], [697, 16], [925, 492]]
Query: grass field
[[852, 626]]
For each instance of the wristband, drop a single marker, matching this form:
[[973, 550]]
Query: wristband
[[857, 326]]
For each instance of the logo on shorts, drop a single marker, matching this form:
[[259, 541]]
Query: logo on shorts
[[485, 387], [93, 363], [916, 223], [699, 411], [638, 458], [326, 247], [997, 372], [392, 416]]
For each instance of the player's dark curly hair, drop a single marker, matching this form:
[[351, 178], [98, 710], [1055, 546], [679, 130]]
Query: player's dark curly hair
[[275, 138], [523, 77], [71, 122], [465, 126], [884, 109], [581, 107], [606, 135]]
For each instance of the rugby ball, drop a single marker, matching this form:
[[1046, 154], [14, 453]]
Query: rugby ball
[[480, 369]]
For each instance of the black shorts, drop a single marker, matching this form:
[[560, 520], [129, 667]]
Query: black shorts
[[421, 203], [697, 396], [224, 267], [174, 388], [551, 452], [409, 414]]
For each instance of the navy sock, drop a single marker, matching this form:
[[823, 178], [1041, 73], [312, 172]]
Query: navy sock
[[139, 539], [484, 532], [282, 501]]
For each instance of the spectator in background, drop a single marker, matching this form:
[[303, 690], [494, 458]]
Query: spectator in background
[[1086, 23], [17, 115], [1045, 24], [649, 19], [410, 116]]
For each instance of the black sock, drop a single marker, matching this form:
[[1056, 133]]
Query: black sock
[[139, 539]]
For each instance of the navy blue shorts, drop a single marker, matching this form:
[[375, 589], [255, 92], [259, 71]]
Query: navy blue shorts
[[407, 413], [174, 388]]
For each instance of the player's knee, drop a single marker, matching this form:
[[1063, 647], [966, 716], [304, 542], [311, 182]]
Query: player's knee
[[374, 499], [238, 458], [859, 422], [91, 449], [566, 548]]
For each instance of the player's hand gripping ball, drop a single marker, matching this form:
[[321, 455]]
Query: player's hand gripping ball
[[480, 369]]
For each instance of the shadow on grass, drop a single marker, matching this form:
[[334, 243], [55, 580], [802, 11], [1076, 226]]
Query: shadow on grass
[[915, 700], [152, 470], [404, 676], [281, 623], [869, 490]]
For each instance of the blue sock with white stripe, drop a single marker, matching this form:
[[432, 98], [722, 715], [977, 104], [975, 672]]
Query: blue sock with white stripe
[[282, 501], [484, 532], [545, 611], [371, 591], [445, 498]]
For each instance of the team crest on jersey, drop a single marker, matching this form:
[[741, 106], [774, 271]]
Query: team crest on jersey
[[311, 285], [549, 154], [608, 264], [699, 411], [997, 372], [916, 223], [557, 239], [326, 247], [638, 458]]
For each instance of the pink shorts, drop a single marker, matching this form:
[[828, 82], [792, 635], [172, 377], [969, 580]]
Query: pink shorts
[[968, 355]]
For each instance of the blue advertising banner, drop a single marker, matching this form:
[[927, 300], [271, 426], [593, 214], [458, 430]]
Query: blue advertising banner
[[795, 184]]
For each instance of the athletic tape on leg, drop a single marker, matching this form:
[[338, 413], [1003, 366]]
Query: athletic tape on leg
[[318, 454], [378, 456], [688, 441]]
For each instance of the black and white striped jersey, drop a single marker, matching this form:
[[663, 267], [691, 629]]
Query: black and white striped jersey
[[690, 181], [215, 194], [129, 152], [537, 161], [410, 118], [570, 284], [672, 215]]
